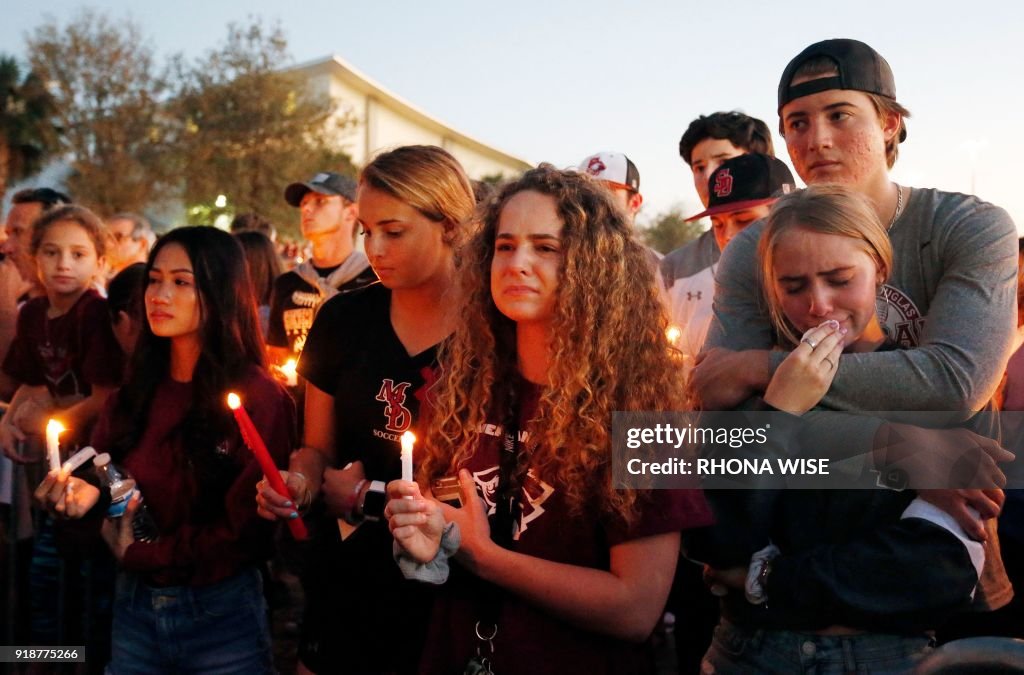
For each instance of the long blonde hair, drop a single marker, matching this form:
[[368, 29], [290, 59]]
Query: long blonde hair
[[430, 180], [825, 209], [607, 345]]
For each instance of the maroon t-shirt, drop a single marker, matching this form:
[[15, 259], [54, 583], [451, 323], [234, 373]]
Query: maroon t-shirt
[[193, 550], [529, 640], [70, 353]]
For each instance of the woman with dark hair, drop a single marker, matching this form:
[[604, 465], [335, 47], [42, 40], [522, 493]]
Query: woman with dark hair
[[558, 570], [192, 599], [368, 360], [264, 266]]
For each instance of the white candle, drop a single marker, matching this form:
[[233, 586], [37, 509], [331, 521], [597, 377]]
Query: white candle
[[290, 373], [408, 439], [78, 459], [53, 431]]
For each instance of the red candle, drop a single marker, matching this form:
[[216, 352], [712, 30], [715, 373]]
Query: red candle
[[255, 442]]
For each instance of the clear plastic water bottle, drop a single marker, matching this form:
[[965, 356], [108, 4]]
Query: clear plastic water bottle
[[122, 487]]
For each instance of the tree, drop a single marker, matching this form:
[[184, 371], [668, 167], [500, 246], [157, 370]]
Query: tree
[[28, 129], [249, 127], [109, 96], [668, 231]]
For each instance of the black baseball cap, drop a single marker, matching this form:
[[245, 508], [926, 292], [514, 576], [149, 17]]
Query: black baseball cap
[[746, 181], [325, 183], [859, 68]]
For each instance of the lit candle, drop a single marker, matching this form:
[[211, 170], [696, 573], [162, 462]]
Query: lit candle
[[292, 377], [673, 333], [53, 432], [255, 443], [408, 440]]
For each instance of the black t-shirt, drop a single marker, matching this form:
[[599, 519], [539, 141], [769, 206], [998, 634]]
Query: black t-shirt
[[294, 304], [353, 354]]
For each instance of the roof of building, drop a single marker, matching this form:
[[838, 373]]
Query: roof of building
[[347, 73]]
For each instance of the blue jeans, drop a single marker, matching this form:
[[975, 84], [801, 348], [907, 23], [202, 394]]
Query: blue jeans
[[749, 650], [217, 629]]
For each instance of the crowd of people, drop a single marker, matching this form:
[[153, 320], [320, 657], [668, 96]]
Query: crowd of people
[[497, 330]]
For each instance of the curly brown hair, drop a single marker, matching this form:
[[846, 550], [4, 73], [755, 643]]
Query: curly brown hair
[[608, 349]]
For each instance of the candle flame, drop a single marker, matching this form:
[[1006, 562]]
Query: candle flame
[[54, 427], [408, 438], [234, 402], [673, 333], [289, 366]]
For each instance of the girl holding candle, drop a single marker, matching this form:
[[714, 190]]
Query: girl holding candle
[[191, 600], [67, 363], [368, 361], [561, 326], [63, 341]]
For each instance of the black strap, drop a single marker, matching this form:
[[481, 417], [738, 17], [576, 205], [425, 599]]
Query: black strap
[[508, 508]]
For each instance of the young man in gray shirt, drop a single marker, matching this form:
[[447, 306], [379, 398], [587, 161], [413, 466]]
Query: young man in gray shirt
[[950, 302]]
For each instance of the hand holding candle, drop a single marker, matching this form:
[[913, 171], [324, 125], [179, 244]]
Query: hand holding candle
[[290, 374], [53, 432], [255, 443]]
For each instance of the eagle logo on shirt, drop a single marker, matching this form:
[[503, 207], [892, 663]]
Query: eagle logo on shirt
[[535, 493]]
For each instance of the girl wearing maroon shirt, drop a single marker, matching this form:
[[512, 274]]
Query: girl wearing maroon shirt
[[192, 599], [562, 325]]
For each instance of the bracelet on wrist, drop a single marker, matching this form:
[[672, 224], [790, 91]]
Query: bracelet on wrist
[[351, 512], [305, 498], [372, 501], [756, 587]]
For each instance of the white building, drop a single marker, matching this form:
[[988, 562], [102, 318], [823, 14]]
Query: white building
[[385, 121]]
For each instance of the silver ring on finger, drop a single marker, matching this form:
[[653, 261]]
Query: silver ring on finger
[[810, 342], [831, 366]]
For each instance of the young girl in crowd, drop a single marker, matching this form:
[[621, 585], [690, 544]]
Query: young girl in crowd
[[67, 362], [191, 600], [63, 341], [853, 578], [368, 359], [561, 325]]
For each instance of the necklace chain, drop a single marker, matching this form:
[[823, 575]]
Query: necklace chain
[[899, 206]]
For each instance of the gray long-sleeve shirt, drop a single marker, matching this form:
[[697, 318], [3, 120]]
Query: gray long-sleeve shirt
[[950, 302]]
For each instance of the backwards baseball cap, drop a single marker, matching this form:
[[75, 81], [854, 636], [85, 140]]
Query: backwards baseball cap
[[325, 183], [744, 182], [858, 67], [614, 168]]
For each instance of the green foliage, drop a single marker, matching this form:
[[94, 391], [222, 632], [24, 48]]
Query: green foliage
[[247, 127], [668, 231], [232, 122], [109, 95], [28, 125]]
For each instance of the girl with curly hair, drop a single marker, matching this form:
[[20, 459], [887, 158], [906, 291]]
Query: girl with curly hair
[[562, 325]]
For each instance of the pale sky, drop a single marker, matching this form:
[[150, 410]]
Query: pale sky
[[557, 80]]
